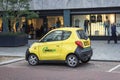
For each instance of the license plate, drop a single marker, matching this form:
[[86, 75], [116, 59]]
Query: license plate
[[86, 43]]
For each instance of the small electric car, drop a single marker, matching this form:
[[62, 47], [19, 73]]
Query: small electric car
[[63, 44]]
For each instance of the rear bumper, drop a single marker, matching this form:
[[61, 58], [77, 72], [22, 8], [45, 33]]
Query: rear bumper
[[84, 53]]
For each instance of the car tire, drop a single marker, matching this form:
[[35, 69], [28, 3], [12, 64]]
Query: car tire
[[72, 61], [85, 60], [33, 60]]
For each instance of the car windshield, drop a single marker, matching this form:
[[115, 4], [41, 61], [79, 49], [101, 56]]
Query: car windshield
[[81, 34]]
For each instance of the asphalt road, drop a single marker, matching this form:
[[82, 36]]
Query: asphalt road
[[94, 70]]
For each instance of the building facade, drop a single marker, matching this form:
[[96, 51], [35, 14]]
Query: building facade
[[61, 13]]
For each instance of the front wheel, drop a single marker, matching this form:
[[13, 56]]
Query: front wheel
[[72, 60], [33, 60]]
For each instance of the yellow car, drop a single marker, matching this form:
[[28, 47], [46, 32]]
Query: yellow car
[[63, 44]]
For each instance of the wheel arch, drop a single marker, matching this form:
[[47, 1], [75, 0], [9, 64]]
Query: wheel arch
[[31, 54], [71, 54]]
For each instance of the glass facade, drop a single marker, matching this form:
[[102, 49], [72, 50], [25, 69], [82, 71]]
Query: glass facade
[[48, 21], [96, 25], [53, 21], [0, 24], [43, 25], [118, 22]]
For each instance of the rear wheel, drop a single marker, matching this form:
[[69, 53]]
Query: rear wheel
[[85, 60], [33, 60], [72, 60]]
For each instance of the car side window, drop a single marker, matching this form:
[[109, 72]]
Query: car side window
[[66, 35], [53, 36]]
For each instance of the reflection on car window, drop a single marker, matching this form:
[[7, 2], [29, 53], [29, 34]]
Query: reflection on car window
[[66, 35], [53, 36], [82, 34]]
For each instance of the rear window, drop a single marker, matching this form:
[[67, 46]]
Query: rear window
[[81, 34]]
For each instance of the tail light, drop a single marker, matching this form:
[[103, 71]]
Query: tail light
[[79, 43]]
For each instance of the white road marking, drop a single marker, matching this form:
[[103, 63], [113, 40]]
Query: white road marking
[[11, 61], [114, 68]]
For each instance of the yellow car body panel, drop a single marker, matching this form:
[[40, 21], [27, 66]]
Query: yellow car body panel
[[49, 50], [34, 49]]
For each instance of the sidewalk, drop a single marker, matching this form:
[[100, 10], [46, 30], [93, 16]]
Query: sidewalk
[[104, 51], [15, 51], [101, 50]]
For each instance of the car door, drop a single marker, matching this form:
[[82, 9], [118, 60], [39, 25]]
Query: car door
[[50, 46]]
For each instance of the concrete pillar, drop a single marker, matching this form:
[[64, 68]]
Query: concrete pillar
[[66, 16]]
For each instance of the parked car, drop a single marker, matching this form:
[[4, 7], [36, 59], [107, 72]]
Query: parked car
[[63, 44]]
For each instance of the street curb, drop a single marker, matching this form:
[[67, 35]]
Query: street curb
[[11, 61], [105, 60], [20, 59]]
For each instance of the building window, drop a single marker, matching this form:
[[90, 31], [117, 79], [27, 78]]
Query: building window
[[118, 22], [55, 21], [0, 24], [96, 23]]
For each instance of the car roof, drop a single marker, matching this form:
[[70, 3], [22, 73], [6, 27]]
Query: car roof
[[69, 28]]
